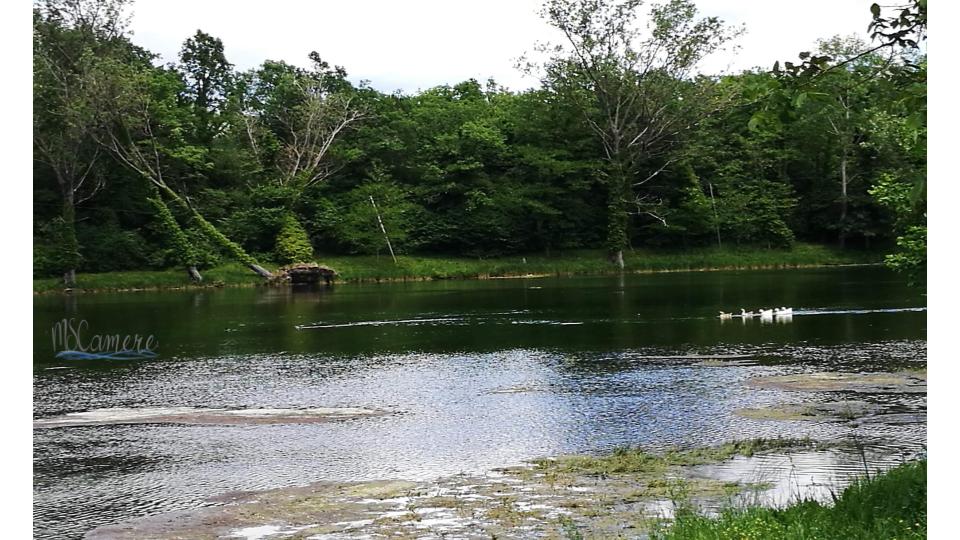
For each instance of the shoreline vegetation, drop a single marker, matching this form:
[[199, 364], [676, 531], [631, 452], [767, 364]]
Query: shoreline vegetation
[[373, 269], [890, 505], [196, 163]]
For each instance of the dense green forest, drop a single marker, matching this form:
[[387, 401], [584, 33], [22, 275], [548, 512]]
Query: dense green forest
[[624, 144]]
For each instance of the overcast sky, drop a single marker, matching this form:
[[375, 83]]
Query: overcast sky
[[416, 44]]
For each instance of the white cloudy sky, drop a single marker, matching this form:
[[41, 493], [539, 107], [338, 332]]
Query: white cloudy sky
[[417, 44]]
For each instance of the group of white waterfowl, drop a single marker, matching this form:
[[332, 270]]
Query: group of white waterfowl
[[768, 314]]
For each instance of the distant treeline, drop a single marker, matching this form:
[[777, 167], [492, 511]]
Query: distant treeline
[[139, 166]]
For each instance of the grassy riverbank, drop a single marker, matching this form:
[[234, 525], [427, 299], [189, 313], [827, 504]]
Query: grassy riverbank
[[892, 505], [369, 268]]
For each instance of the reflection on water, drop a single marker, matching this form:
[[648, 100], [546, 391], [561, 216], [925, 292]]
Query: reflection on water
[[481, 374], [786, 479]]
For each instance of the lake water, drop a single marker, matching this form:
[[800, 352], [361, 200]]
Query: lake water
[[477, 374]]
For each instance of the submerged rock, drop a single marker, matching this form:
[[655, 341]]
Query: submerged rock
[[894, 419], [195, 415], [898, 382], [829, 411]]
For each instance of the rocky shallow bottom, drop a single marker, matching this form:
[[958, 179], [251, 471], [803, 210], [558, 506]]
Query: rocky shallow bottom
[[627, 493], [621, 495], [198, 415]]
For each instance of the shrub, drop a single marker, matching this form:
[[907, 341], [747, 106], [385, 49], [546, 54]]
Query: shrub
[[55, 248], [356, 225], [108, 248], [293, 242], [255, 229]]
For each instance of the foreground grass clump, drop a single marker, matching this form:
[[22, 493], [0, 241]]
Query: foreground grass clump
[[584, 262], [892, 505]]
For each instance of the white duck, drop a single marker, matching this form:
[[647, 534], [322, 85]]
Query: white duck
[[783, 311], [746, 314], [765, 312], [724, 316]]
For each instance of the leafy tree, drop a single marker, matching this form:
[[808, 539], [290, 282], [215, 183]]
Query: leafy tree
[[356, 224], [207, 72], [901, 189], [622, 145], [743, 160], [68, 37], [634, 89], [906, 29], [143, 131], [691, 216], [294, 116], [838, 101]]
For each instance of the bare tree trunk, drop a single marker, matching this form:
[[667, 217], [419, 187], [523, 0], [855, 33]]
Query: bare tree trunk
[[150, 169], [261, 271], [384, 230], [847, 142], [616, 257], [194, 274], [216, 235], [843, 201], [618, 218], [716, 217], [69, 245]]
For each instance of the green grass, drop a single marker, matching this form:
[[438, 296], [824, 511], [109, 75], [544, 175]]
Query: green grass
[[366, 268], [584, 262], [230, 274], [637, 460], [892, 505]]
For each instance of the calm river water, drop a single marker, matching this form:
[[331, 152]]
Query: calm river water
[[481, 374]]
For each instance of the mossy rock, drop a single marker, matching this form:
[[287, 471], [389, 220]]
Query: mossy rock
[[305, 274]]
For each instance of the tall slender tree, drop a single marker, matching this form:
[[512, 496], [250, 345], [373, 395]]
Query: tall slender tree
[[68, 38], [634, 88], [304, 112], [207, 73]]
